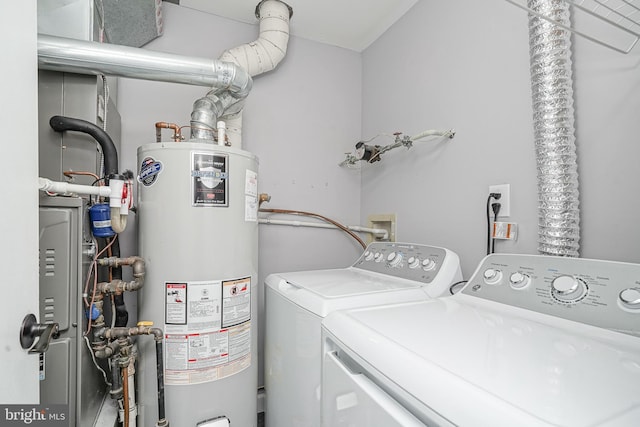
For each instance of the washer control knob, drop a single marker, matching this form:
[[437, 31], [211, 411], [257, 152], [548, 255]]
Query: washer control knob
[[368, 255], [568, 288], [428, 264], [630, 298], [378, 257], [519, 280], [394, 259], [413, 262], [492, 276]]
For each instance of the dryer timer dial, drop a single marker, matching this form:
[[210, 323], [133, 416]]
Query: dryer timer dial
[[568, 288]]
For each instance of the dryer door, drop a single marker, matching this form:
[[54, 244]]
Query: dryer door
[[351, 399]]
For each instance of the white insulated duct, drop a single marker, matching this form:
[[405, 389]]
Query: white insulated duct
[[260, 56], [554, 132]]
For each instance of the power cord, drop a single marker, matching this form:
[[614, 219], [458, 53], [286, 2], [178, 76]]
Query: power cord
[[456, 287], [492, 196], [496, 208]]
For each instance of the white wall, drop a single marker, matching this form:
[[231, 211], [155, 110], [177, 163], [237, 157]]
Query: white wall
[[297, 120], [465, 65], [19, 226]]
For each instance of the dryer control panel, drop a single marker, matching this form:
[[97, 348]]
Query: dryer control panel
[[409, 261], [599, 293]]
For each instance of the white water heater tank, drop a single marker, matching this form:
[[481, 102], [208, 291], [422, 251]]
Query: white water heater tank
[[198, 234]]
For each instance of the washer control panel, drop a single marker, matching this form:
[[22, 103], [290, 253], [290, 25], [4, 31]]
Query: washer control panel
[[409, 261], [599, 293]]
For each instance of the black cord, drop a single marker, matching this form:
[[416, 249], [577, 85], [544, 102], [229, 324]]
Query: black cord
[[496, 209], [453, 289], [495, 196]]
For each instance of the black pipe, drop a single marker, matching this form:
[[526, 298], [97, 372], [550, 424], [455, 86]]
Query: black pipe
[[62, 124], [160, 369], [121, 314], [116, 380]]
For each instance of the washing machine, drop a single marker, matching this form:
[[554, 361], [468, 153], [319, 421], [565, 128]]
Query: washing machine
[[529, 341], [296, 303]]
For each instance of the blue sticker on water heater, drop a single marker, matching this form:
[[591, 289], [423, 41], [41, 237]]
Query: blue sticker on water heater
[[149, 171]]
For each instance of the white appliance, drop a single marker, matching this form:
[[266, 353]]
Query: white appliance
[[297, 302], [198, 234], [530, 341]]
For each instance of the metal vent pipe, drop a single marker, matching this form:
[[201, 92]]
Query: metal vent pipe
[[554, 132], [84, 57], [258, 57]]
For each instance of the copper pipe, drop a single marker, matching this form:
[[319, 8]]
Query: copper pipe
[[177, 136], [125, 394], [69, 174], [315, 215]]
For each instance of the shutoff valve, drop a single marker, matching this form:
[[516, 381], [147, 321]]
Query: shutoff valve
[[372, 153]]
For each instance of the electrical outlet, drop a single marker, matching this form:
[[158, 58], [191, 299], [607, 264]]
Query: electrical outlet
[[505, 198]]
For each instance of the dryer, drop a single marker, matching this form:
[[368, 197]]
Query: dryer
[[296, 303], [530, 341]]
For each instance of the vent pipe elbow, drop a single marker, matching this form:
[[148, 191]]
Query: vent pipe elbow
[[265, 53], [258, 57]]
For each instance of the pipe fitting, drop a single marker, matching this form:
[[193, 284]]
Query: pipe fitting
[[262, 198], [106, 351], [117, 285], [135, 261], [177, 135], [119, 333]]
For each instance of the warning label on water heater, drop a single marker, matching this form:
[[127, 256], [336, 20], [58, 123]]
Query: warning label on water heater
[[207, 330]]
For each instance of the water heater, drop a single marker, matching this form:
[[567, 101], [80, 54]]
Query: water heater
[[198, 234]]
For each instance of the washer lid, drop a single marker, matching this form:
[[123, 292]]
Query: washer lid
[[511, 367], [322, 291]]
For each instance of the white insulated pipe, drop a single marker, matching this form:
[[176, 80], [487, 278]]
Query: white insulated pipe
[[258, 57], [45, 184], [265, 53], [378, 232]]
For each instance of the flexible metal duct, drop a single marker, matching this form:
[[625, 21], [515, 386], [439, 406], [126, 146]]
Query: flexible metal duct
[[257, 57], [554, 132]]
